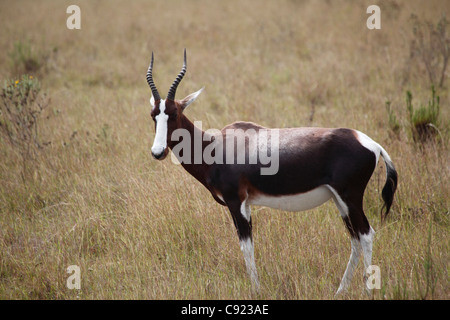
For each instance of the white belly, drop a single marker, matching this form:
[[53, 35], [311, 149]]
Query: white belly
[[296, 202]]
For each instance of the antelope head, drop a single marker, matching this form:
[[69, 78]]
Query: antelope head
[[167, 113]]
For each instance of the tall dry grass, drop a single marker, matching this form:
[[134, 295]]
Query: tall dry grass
[[143, 229]]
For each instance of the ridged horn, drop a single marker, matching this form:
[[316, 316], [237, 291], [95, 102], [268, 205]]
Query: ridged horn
[[173, 88], [151, 83]]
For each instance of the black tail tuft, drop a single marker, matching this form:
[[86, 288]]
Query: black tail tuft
[[389, 188]]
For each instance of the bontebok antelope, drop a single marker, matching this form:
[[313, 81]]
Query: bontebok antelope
[[313, 165]]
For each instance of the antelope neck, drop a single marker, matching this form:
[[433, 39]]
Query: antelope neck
[[196, 169]]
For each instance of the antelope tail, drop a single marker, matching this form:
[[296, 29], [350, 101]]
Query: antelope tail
[[390, 186]]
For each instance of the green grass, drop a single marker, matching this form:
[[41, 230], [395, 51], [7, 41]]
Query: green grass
[[143, 229], [24, 58]]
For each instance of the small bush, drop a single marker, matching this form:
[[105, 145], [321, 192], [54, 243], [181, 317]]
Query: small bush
[[431, 45], [424, 121], [20, 108]]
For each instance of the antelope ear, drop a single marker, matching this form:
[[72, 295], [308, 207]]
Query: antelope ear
[[189, 99], [152, 101]]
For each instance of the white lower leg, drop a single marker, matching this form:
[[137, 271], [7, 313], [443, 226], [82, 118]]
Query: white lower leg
[[249, 257], [366, 245], [351, 266]]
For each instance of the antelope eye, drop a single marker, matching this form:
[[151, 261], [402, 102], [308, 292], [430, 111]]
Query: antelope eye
[[153, 114]]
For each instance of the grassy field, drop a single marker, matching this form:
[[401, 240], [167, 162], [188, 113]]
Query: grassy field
[[92, 196]]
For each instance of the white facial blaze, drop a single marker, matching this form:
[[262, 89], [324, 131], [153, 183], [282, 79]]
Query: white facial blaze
[[160, 142]]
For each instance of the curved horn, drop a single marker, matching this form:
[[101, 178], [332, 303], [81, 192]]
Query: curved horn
[[173, 88], [151, 83]]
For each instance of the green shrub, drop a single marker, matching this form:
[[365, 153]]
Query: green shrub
[[424, 121]]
